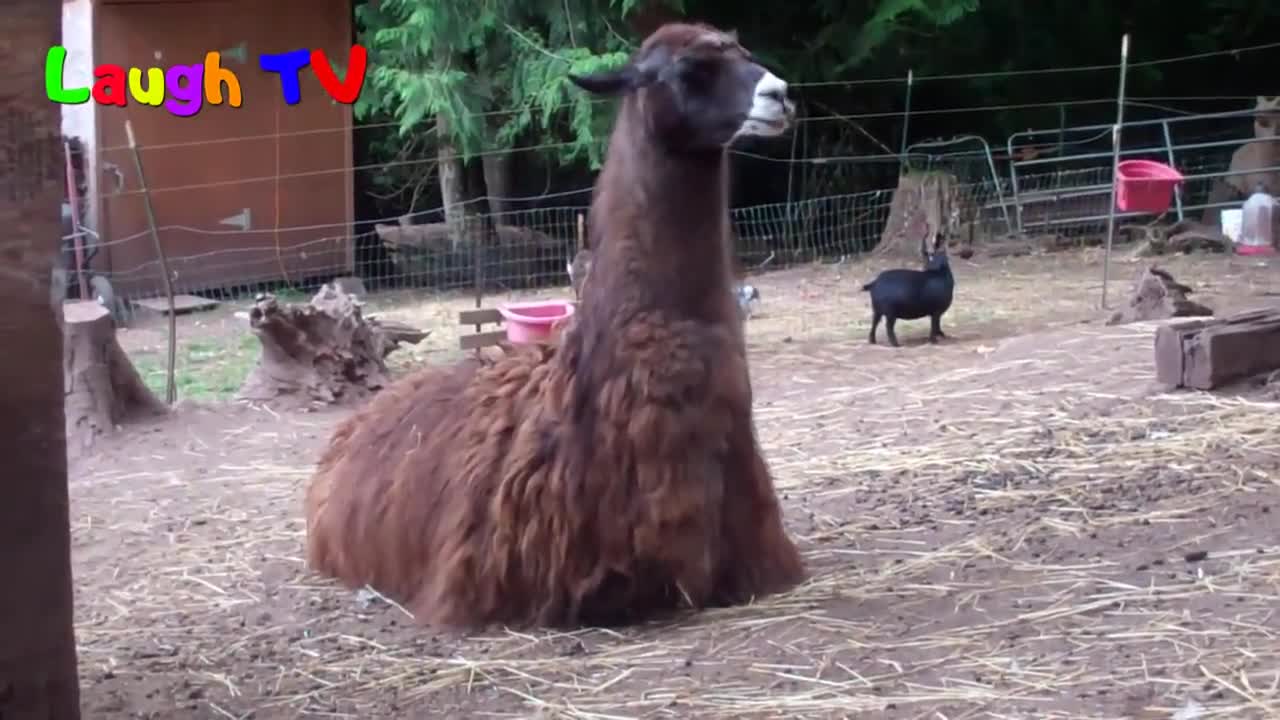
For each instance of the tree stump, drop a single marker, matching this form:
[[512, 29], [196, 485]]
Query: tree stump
[[925, 209], [325, 350], [103, 389], [579, 269], [1157, 296]]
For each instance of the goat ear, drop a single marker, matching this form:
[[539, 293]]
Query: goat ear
[[609, 82]]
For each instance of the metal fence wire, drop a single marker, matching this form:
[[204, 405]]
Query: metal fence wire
[[1039, 182]]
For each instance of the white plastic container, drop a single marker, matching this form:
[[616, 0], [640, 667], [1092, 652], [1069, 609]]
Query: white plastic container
[[1256, 228]]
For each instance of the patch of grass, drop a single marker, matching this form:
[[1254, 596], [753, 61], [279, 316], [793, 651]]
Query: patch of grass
[[205, 370], [291, 295]]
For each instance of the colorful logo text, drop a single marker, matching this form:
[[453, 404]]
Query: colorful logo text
[[184, 90]]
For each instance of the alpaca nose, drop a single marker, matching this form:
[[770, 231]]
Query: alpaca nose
[[772, 87]]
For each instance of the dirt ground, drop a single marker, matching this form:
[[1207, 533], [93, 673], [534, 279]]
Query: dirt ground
[[1015, 523]]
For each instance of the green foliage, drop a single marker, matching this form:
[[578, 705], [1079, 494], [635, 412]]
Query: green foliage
[[497, 72], [894, 17], [543, 99], [826, 39]]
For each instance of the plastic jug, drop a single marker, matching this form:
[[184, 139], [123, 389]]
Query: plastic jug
[[1257, 229]]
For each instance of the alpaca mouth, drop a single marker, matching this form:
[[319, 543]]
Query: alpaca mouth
[[776, 118], [774, 124]]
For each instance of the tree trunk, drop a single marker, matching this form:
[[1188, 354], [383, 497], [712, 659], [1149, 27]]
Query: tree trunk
[[497, 180], [925, 210], [38, 673], [103, 389], [453, 189], [489, 262]]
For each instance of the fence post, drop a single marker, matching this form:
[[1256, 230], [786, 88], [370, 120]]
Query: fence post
[[1168, 146], [1013, 183], [1062, 128], [170, 384], [791, 174], [1115, 165], [995, 180], [906, 123], [73, 197], [478, 255]]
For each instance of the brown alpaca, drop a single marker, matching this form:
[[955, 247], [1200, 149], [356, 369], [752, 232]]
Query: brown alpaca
[[616, 475]]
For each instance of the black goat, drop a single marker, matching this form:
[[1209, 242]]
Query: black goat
[[902, 294]]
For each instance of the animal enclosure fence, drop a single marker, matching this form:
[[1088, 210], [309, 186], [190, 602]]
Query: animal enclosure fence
[[1065, 187], [1042, 187], [1035, 189]]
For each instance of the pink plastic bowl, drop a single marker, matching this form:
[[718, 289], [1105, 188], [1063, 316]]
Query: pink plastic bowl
[[1145, 186], [536, 321]]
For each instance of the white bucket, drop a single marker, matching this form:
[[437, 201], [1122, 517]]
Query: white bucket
[[1233, 224]]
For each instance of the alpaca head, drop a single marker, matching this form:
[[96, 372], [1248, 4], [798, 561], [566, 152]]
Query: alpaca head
[[697, 89]]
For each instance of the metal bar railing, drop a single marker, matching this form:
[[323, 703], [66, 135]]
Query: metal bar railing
[[1100, 189]]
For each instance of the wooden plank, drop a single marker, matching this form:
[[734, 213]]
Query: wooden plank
[[479, 316], [182, 304], [1207, 354], [482, 339], [1168, 346]]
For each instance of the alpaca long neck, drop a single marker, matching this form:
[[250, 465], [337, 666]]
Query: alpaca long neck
[[677, 209]]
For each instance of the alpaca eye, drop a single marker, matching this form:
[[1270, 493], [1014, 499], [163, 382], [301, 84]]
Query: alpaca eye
[[697, 71]]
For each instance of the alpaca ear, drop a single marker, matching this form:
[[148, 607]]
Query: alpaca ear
[[609, 82], [620, 81]]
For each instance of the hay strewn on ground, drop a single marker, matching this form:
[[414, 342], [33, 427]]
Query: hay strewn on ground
[[1012, 524]]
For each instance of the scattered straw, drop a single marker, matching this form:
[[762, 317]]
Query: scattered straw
[[1002, 526]]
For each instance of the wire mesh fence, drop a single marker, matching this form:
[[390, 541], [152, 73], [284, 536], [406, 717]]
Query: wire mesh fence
[[799, 253]]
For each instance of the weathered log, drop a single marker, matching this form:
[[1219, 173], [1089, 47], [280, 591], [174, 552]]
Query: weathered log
[[324, 350], [430, 252], [102, 388], [1183, 237], [1206, 354], [1157, 296]]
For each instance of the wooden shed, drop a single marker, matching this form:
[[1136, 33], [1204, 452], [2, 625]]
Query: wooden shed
[[259, 193]]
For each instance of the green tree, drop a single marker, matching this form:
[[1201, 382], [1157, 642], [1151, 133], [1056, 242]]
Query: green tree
[[489, 76]]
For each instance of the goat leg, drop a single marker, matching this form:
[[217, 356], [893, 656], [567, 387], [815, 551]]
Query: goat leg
[[888, 330], [875, 322], [935, 328]]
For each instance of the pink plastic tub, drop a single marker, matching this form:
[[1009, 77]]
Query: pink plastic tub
[[1242, 249], [1145, 186], [537, 321]]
